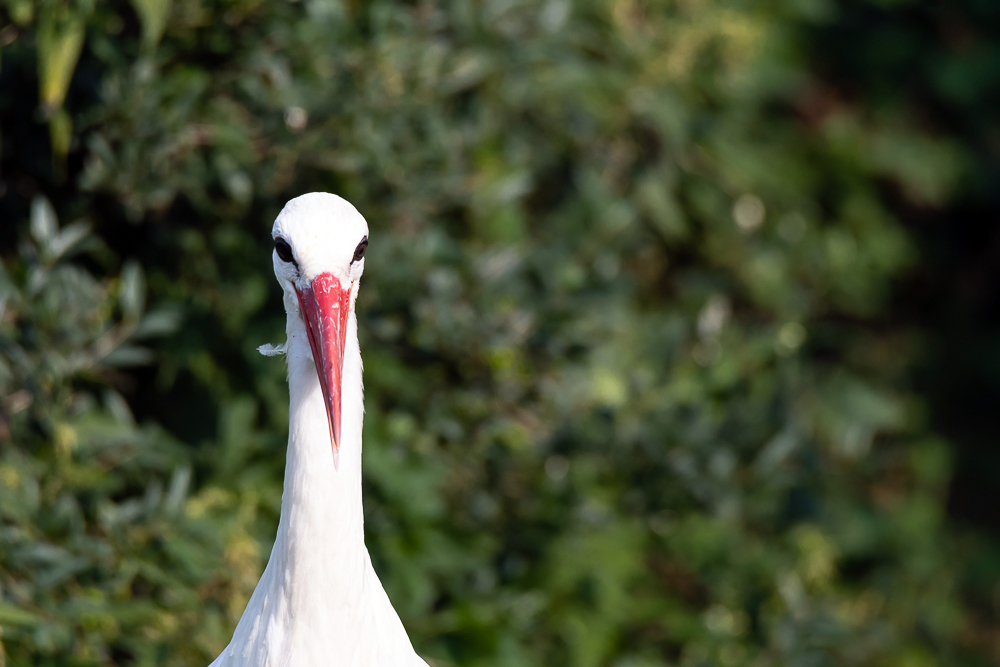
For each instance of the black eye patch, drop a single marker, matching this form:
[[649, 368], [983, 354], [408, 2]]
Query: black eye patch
[[359, 252], [284, 250]]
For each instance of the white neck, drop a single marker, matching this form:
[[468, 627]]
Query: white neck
[[319, 601], [320, 537]]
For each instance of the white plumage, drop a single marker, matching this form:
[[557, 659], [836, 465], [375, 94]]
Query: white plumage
[[319, 601]]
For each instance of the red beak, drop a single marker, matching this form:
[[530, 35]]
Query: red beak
[[325, 307]]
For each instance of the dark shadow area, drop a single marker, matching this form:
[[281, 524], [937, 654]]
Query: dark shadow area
[[941, 61]]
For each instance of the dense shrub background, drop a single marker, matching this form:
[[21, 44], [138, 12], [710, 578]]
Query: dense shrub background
[[677, 318]]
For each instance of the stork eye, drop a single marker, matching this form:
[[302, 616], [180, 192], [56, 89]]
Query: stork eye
[[284, 250], [359, 252]]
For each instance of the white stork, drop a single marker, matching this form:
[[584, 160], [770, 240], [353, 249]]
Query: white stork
[[319, 601]]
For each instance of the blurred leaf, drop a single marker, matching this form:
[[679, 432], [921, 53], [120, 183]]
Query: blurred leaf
[[12, 615], [132, 290], [153, 15], [60, 39], [44, 224]]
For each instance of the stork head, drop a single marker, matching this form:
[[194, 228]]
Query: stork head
[[319, 256]]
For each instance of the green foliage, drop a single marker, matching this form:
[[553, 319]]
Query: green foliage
[[627, 400], [99, 548]]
